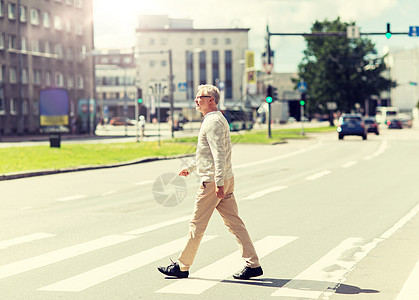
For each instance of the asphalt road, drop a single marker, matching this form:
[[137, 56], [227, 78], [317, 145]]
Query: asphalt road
[[330, 220]]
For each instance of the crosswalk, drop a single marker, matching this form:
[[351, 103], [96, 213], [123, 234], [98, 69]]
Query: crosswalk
[[318, 281]]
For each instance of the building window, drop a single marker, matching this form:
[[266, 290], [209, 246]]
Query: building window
[[35, 46], [202, 67], [68, 25], [69, 2], [59, 79], [202, 41], [11, 11], [228, 41], [189, 75], [24, 76], [1, 73], [25, 108], [78, 3], [79, 82], [2, 102], [12, 75], [70, 55], [163, 41], [48, 78], [47, 47], [23, 17], [152, 63], [1, 41], [163, 63], [151, 42], [1, 8], [35, 108], [215, 67], [13, 105], [79, 29], [36, 77], [24, 43], [59, 51], [57, 23], [189, 41], [46, 20], [215, 41], [34, 16], [229, 74], [12, 42], [70, 81]]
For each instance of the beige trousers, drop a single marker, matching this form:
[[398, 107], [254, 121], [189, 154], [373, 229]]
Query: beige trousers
[[205, 203]]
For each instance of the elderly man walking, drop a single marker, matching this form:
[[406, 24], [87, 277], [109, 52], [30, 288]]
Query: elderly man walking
[[213, 164]]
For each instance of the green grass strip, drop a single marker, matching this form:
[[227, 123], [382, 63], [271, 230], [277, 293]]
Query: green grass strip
[[16, 159]]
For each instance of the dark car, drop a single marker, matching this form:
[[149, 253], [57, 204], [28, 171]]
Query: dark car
[[372, 125], [395, 124], [351, 124]]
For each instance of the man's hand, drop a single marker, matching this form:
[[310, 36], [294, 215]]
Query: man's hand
[[184, 172], [219, 190]]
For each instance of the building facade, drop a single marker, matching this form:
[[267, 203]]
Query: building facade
[[199, 56], [116, 83], [43, 44]]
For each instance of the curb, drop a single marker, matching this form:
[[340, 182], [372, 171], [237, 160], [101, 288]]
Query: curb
[[26, 174]]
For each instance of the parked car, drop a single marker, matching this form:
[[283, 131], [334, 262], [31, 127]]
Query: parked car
[[395, 124], [372, 125], [406, 120], [351, 124], [118, 121]]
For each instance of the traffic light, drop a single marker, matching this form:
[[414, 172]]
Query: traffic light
[[140, 96], [303, 99], [269, 94], [274, 93], [388, 32]]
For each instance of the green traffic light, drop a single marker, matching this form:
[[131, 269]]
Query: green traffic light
[[302, 102], [388, 35], [269, 99], [140, 101]]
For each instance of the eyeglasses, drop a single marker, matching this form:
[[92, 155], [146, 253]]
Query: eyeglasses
[[199, 97]]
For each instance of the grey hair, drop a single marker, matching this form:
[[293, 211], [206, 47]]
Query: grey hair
[[210, 90]]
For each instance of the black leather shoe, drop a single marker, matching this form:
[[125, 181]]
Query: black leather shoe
[[248, 272], [173, 270]]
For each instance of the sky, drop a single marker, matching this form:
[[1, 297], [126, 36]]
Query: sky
[[115, 21]]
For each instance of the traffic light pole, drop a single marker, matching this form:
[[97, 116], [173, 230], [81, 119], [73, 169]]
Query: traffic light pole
[[301, 119], [269, 121]]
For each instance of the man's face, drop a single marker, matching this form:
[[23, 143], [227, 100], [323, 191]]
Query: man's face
[[202, 102]]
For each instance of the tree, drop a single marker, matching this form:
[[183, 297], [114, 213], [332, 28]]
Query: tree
[[341, 70]]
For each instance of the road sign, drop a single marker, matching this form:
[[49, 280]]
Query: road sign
[[352, 32], [413, 30], [302, 87], [181, 86], [332, 105]]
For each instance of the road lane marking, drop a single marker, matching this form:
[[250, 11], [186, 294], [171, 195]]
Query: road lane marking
[[25, 239], [144, 182], [60, 255], [318, 175], [400, 223], [380, 151], [328, 272], [216, 272], [264, 192], [158, 226], [410, 289], [255, 163], [70, 198], [98, 275], [349, 164]]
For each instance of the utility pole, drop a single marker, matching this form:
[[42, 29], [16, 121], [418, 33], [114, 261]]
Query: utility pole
[[171, 92]]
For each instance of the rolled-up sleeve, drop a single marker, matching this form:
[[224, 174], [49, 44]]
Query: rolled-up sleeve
[[216, 137]]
